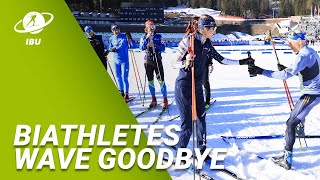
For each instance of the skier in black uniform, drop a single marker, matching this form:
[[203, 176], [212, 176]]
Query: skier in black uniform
[[209, 69], [203, 48], [97, 44]]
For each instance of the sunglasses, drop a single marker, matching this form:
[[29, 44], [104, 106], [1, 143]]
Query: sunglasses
[[88, 31], [115, 29], [152, 27]]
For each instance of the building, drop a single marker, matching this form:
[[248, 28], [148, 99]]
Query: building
[[140, 12]]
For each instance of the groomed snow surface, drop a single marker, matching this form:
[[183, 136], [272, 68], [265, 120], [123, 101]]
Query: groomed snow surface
[[246, 107]]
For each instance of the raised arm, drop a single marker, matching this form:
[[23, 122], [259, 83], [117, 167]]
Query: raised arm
[[213, 54]]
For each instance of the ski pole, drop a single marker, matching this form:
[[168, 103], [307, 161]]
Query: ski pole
[[114, 78], [191, 31], [290, 101], [156, 59], [144, 87], [145, 77], [135, 67], [135, 74]]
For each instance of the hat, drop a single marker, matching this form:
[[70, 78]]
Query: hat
[[297, 36], [88, 29], [149, 23], [208, 21], [114, 27]]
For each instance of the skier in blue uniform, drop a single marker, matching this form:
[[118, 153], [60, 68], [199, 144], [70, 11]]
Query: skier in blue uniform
[[307, 63], [203, 49], [119, 45], [152, 43]]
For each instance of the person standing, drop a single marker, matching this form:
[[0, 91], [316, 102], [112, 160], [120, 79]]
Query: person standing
[[97, 44], [119, 46], [307, 63], [203, 49], [152, 43]]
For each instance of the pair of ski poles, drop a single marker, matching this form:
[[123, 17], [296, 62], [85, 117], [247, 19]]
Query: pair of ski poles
[[289, 97], [136, 72]]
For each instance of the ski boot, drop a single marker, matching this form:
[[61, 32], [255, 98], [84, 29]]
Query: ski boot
[[126, 97], [121, 92], [153, 102], [165, 102], [284, 161]]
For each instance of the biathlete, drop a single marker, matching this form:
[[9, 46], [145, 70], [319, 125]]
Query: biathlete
[[119, 45], [307, 63], [152, 43], [203, 49]]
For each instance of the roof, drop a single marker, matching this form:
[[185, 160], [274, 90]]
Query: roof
[[130, 4]]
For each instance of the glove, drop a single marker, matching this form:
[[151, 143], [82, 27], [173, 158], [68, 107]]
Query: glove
[[210, 68], [281, 67], [300, 130], [106, 52], [189, 61], [254, 70], [113, 49], [246, 61]]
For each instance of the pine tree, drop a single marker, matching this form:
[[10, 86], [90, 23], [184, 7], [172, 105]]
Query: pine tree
[[194, 3], [282, 8], [264, 6]]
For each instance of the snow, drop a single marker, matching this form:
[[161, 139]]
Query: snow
[[219, 36], [245, 106], [191, 11], [241, 35]]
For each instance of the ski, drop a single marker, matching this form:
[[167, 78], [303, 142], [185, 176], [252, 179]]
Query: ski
[[235, 176], [161, 113], [225, 140], [130, 99], [147, 110], [174, 117], [177, 116], [201, 174], [208, 163], [267, 137], [190, 170], [253, 137]]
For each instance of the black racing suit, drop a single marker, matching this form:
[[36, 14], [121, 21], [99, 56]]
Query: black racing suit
[[98, 46]]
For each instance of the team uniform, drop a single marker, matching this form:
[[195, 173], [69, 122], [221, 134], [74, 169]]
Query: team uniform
[[119, 45], [153, 62], [307, 63], [98, 46], [202, 50]]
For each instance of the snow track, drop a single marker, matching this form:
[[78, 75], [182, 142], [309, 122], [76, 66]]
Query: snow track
[[245, 106]]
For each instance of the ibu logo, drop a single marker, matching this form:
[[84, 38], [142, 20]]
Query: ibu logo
[[33, 41], [33, 23]]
